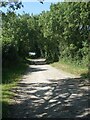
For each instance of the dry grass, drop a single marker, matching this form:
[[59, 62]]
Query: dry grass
[[71, 68]]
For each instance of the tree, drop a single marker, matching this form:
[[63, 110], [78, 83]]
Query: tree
[[11, 5]]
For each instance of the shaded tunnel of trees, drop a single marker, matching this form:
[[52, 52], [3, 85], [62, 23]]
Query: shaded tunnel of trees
[[61, 33]]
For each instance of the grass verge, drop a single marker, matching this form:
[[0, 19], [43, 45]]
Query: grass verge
[[10, 78], [72, 68]]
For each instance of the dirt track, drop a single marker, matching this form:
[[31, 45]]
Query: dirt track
[[50, 93]]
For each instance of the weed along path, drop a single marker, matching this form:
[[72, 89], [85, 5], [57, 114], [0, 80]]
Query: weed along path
[[45, 92]]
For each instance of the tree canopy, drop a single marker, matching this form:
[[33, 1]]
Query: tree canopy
[[61, 33]]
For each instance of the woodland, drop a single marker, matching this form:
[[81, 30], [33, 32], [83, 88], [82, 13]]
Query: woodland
[[60, 34]]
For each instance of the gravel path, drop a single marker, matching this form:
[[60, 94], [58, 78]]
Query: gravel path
[[45, 92]]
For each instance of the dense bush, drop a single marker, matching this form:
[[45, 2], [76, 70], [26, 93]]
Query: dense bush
[[66, 27]]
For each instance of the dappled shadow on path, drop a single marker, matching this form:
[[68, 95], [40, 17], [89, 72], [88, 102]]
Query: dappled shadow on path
[[32, 69], [36, 61], [66, 98]]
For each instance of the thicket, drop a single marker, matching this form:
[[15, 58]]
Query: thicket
[[61, 33], [66, 27]]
